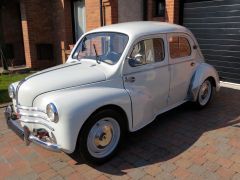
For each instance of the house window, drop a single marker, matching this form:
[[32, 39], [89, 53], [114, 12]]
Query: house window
[[79, 18], [8, 51], [160, 8]]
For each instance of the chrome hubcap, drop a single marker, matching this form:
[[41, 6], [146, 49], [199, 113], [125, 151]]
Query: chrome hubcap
[[205, 92], [103, 137]]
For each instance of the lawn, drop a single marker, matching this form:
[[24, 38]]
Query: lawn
[[5, 81]]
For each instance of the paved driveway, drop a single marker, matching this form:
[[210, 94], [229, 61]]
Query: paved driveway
[[183, 143]]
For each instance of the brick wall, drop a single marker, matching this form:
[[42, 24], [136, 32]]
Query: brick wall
[[50, 22], [110, 13], [12, 31], [37, 29], [62, 22], [46, 22]]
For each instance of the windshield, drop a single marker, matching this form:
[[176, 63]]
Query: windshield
[[102, 47]]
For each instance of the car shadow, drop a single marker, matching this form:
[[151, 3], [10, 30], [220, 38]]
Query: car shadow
[[174, 132]]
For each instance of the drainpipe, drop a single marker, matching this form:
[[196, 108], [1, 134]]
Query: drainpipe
[[101, 13]]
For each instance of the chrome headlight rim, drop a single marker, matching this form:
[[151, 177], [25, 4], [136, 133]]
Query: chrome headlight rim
[[52, 112], [11, 91]]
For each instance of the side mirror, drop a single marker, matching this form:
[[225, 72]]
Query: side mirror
[[137, 60]]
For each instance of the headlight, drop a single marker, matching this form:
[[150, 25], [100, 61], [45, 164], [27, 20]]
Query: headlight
[[11, 91], [52, 112]]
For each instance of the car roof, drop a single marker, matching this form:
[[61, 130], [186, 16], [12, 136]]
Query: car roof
[[140, 28]]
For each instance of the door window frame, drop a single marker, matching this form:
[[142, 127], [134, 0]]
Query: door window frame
[[133, 69], [180, 59]]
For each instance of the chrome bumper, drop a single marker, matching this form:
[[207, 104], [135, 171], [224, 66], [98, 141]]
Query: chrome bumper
[[24, 133]]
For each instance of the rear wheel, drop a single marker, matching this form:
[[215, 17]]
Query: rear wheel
[[204, 94], [100, 136]]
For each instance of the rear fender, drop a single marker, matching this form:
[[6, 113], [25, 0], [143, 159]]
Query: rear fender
[[202, 72]]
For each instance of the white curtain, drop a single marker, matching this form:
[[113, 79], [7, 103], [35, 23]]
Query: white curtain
[[79, 18]]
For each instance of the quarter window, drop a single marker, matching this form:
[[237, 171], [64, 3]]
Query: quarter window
[[179, 47], [148, 51]]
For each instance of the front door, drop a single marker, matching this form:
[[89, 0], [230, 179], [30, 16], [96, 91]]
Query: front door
[[147, 80], [182, 65]]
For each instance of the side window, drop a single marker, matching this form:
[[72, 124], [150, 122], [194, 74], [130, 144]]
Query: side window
[[179, 47], [148, 51]]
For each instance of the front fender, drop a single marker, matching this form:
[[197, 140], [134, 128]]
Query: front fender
[[202, 72], [75, 105]]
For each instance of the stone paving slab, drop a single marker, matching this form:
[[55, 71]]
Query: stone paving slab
[[181, 144]]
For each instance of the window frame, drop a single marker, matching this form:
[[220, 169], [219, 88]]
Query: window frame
[[150, 37], [156, 12], [180, 59], [86, 34]]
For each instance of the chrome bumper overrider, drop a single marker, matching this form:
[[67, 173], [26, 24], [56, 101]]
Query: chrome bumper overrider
[[25, 133]]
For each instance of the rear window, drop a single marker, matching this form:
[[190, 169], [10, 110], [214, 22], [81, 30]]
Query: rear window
[[179, 47]]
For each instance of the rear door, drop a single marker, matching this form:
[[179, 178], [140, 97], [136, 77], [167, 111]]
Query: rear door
[[182, 64]]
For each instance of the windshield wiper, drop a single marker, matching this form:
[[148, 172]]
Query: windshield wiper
[[98, 59]]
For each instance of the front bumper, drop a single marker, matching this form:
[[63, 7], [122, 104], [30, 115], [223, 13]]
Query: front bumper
[[24, 132]]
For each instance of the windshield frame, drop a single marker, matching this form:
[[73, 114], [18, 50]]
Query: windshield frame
[[93, 33]]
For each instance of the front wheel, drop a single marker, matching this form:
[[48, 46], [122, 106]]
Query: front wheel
[[100, 136], [204, 94]]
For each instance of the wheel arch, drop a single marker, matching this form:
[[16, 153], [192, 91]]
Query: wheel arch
[[116, 108], [203, 72], [105, 107]]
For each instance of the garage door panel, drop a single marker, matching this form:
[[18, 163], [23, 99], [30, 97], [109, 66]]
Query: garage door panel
[[224, 63], [219, 47], [226, 69], [213, 25], [216, 26], [220, 13], [221, 52], [204, 35], [230, 77], [219, 42], [194, 4], [200, 9], [212, 19], [222, 58], [223, 31]]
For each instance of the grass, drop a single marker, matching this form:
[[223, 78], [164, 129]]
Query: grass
[[5, 81]]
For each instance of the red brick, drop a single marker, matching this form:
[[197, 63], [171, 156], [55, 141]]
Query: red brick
[[181, 172], [225, 162], [41, 167], [225, 173]]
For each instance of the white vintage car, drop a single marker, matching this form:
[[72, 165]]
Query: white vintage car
[[118, 78]]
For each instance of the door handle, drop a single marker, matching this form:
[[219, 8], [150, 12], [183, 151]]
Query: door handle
[[192, 64], [130, 79]]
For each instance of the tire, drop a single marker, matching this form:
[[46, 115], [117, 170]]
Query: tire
[[101, 136], [205, 94]]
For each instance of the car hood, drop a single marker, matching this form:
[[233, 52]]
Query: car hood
[[57, 78]]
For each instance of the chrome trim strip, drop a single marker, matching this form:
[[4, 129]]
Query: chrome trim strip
[[37, 122], [34, 139], [34, 116], [17, 89], [30, 108]]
